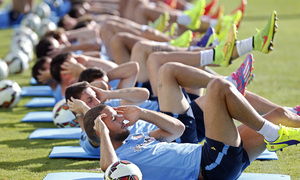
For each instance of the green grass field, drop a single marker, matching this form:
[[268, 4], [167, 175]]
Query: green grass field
[[275, 79]]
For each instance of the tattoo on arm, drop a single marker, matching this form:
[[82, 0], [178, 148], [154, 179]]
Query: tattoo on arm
[[163, 48]]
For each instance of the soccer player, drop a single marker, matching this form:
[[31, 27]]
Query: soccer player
[[228, 149]]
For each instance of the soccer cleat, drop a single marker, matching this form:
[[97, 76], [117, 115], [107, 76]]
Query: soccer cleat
[[183, 40], [263, 40], [171, 3], [297, 110], [223, 52], [195, 14], [243, 74], [161, 22], [242, 9], [227, 21], [217, 13], [220, 17], [210, 6], [172, 31], [208, 38], [287, 136]]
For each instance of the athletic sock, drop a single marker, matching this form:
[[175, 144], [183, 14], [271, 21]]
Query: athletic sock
[[183, 19], [145, 27], [269, 131], [244, 46], [293, 109], [206, 57], [229, 78]]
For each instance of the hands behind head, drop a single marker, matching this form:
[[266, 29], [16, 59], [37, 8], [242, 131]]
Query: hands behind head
[[100, 126], [71, 67], [44, 76], [77, 106], [100, 94], [130, 113], [82, 59], [55, 51]]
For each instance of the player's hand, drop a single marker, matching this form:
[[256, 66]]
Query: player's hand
[[100, 126], [130, 113]]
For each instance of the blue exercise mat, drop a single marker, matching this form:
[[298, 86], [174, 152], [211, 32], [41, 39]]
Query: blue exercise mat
[[41, 102], [39, 116], [33, 81], [56, 133], [267, 155], [99, 176], [74, 175], [78, 152], [71, 152], [36, 91], [260, 176]]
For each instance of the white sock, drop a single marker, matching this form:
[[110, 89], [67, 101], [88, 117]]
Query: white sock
[[244, 46], [291, 109], [269, 131], [188, 6], [159, 43], [206, 57], [183, 19], [229, 78], [145, 27], [213, 22]]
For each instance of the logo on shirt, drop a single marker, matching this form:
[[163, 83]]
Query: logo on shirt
[[147, 140]]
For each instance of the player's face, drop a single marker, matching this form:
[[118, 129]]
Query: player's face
[[115, 124], [89, 97]]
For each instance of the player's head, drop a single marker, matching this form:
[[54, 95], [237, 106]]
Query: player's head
[[114, 122], [95, 76], [42, 64], [84, 92], [55, 66], [45, 45]]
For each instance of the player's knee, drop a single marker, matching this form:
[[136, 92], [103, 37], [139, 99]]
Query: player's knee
[[218, 85]]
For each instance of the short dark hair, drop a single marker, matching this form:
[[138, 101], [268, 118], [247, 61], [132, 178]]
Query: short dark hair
[[75, 90], [56, 34], [43, 46], [56, 62], [39, 65], [88, 122], [90, 74]]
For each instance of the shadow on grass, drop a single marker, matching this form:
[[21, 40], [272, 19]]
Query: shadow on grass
[[46, 163], [39, 143], [31, 126]]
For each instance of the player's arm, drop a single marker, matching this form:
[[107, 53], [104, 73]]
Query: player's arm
[[128, 96], [127, 73], [169, 128], [107, 151]]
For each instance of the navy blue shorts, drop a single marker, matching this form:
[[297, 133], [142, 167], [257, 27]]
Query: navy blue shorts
[[198, 114], [190, 133], [221, 161]]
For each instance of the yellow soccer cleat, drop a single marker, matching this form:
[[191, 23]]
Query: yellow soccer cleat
[[223, 51], [183, 40], [172, 31], [161, 22], [263, 40], [195, 14], [287, 136]]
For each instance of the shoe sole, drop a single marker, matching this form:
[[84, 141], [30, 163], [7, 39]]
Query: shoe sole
[[230, 46], [269, 41]]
